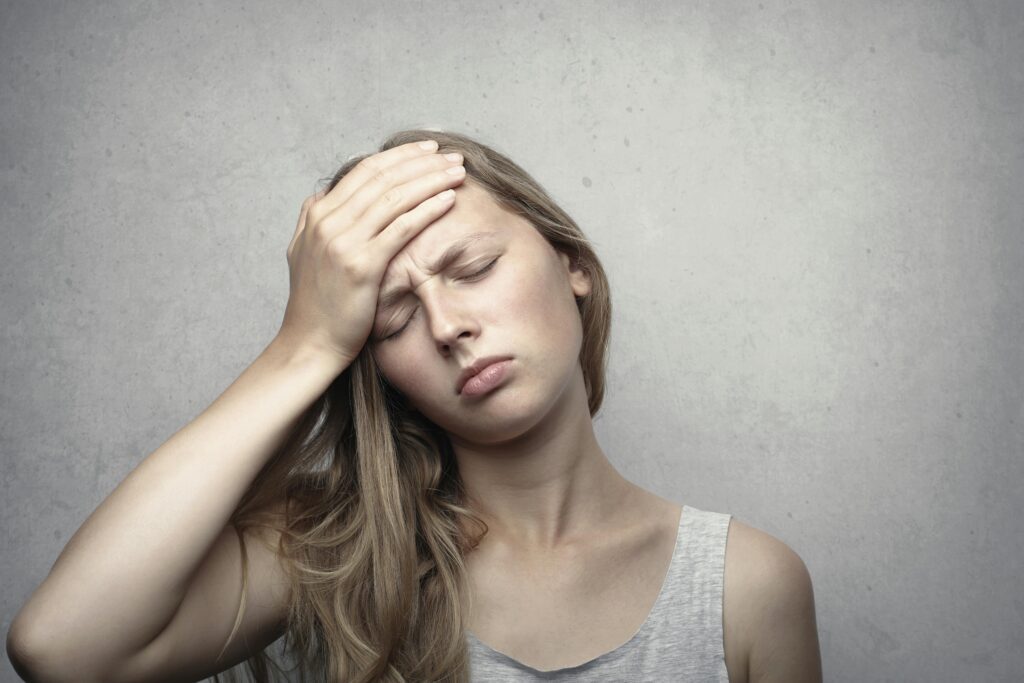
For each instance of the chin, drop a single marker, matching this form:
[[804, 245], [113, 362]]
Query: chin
[[505, 416]]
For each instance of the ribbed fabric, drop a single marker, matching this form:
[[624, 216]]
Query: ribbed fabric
[[682, 637]]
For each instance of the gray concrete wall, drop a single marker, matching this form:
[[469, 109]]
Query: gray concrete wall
[[811, 215]]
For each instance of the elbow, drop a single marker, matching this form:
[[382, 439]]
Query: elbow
[[31, 653], [24, 655]]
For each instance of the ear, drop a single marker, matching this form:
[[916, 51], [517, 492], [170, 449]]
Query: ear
[[579, 279]]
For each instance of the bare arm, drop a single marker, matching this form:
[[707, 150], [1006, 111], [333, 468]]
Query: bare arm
[[124, 574], [146, 589]]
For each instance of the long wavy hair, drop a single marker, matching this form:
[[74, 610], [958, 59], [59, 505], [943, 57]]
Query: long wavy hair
[[377, 524]]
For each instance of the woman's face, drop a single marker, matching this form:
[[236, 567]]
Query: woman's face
[[508, 294]]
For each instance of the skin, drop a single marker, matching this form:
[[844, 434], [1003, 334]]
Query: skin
[[569, 536], [526, 451], [769, 624], [533, 468]]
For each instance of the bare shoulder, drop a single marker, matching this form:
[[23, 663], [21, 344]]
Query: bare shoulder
[[769, 617]]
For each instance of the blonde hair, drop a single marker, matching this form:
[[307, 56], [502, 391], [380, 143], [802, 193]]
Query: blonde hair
[[377, 523]]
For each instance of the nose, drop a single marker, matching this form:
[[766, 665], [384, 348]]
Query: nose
[[452, 321]]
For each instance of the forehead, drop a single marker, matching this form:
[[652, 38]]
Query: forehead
[[474, 211], [476, 222]]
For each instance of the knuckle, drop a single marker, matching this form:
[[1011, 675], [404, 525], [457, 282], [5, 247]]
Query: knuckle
[[369, 165], [336, 251], [401, 225], [355, 268], [313, 214], [338, 255], [320, 232], [392, 197], [382, 176]]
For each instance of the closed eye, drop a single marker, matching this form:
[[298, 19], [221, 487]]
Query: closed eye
[[480, 272], [469, 278]]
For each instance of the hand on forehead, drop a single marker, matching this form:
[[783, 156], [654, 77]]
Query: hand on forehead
[[473, 206], [475, 218]]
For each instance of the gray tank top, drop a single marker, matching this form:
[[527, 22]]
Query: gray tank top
[[682, 638]]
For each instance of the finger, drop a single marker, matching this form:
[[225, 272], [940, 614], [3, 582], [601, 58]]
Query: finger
[[383, 198], [368, 168], [387, 194], [397, 234], [389, 206]]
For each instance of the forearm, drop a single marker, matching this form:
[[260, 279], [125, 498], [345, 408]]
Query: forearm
[[123, 574]]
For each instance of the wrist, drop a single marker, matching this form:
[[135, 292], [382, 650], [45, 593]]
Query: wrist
[[307, 353]]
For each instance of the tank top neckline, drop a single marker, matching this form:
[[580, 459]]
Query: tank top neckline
[[634, 640]]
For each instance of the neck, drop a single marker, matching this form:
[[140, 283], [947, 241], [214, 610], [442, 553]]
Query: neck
[[551, 487]]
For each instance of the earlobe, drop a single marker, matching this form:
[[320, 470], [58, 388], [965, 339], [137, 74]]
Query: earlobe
[[580, 284], [579, 279]]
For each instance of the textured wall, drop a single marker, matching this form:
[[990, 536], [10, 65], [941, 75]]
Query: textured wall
[[811, 216]]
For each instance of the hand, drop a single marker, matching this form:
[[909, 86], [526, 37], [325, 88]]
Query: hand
[[346, 238]]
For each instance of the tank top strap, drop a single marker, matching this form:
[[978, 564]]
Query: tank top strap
[[692, 596]]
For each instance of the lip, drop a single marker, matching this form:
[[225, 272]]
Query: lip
[[475, 368]]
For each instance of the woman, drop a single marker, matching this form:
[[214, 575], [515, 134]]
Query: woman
[[406, 481]]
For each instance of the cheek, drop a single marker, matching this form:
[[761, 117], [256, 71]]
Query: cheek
[[402, 372], [540, 295]]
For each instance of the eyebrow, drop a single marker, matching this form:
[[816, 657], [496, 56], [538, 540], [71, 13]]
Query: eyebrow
[[454, 252]]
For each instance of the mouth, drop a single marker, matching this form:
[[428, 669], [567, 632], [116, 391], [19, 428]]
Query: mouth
[[476, 368]]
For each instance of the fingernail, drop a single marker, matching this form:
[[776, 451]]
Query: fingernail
[[429, 145]]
